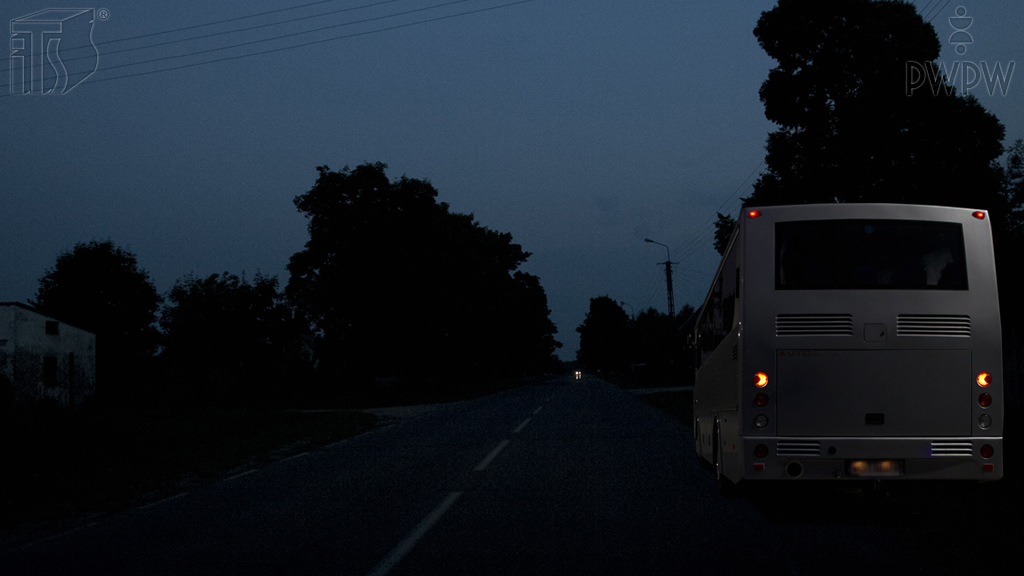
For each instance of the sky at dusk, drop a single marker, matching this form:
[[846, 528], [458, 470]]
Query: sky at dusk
[[581, 127]]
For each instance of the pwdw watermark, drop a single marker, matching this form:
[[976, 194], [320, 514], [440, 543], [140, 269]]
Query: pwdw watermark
[[966, 75], [52, 50]]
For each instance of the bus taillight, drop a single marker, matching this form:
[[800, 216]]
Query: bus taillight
[[979, 215], [984, 379], [987, 451], [984, 400], [754, 213], [760, 451], [761, 400], [761, 379]]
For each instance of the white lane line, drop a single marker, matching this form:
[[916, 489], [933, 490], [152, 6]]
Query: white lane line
[[403, 548], [494, 454], [48, 538], [246, 473], [158, 502], [300, 455], [521, 426], [537, 411]]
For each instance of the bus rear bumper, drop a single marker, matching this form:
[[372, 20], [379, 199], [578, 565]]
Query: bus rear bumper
[[869, 458]]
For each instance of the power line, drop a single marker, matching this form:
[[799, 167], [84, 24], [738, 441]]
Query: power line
[[939, 11], [649, 291], [693, 244], [701, 238], [731, 196], [282, 36], [311, 43], [65, 59], [921, 11], [247, 17]]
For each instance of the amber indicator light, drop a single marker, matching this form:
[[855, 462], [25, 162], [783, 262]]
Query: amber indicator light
[[984, 379], [760, 379]]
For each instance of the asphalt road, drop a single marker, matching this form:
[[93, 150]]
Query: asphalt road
[[563, 478]]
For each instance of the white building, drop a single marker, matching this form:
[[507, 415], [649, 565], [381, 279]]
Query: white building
[[43, 359]]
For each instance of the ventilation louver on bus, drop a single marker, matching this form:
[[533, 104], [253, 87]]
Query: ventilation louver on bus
[[933, 325], [950, 448], [814, 325], [798, 448]]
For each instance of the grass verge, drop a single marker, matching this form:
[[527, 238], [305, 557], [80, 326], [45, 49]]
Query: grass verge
[[61, 464]]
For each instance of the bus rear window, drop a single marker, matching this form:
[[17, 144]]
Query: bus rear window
[[869, 255]]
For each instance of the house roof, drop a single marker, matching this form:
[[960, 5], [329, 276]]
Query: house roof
[[20, 305], [36, 311]]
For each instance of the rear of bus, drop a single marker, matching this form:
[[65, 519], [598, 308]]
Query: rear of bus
[[874, 332]]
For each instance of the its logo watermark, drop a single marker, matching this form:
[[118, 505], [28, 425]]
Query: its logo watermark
[[52, 51], [966, 75]]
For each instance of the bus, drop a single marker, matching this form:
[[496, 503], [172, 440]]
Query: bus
[[851, 342]]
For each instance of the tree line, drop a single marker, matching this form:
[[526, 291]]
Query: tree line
[[648, 349], [392, 288]]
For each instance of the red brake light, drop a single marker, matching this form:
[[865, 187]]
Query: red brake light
[[984, 400], [761, 400], [984, 379], [760, 451], [979, 215], [760, 379], [754, 213], [987, 451]]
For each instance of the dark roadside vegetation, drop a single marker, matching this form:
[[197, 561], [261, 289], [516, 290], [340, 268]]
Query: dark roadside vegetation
[[62, 465], [224, 372]]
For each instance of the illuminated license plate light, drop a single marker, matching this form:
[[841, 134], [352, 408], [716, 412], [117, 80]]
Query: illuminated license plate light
[[874, 468]]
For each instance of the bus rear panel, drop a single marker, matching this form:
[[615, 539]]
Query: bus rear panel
[[852, 341]]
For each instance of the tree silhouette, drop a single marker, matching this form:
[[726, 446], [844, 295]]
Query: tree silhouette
[[604, 337], [723, 232], [99, 287], [849, 131], [229, 342], [397, 285], [1013, 186]]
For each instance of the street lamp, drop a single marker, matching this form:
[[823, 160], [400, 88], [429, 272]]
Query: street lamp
[[668, 276]]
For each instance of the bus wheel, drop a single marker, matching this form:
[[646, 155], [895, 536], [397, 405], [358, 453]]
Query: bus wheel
[[725, 486]]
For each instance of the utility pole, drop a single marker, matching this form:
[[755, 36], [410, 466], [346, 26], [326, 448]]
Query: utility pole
[[668, 276]]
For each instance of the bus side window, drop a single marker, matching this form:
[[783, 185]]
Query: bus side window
[[717, 315], [730, 275], [706, 334]]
